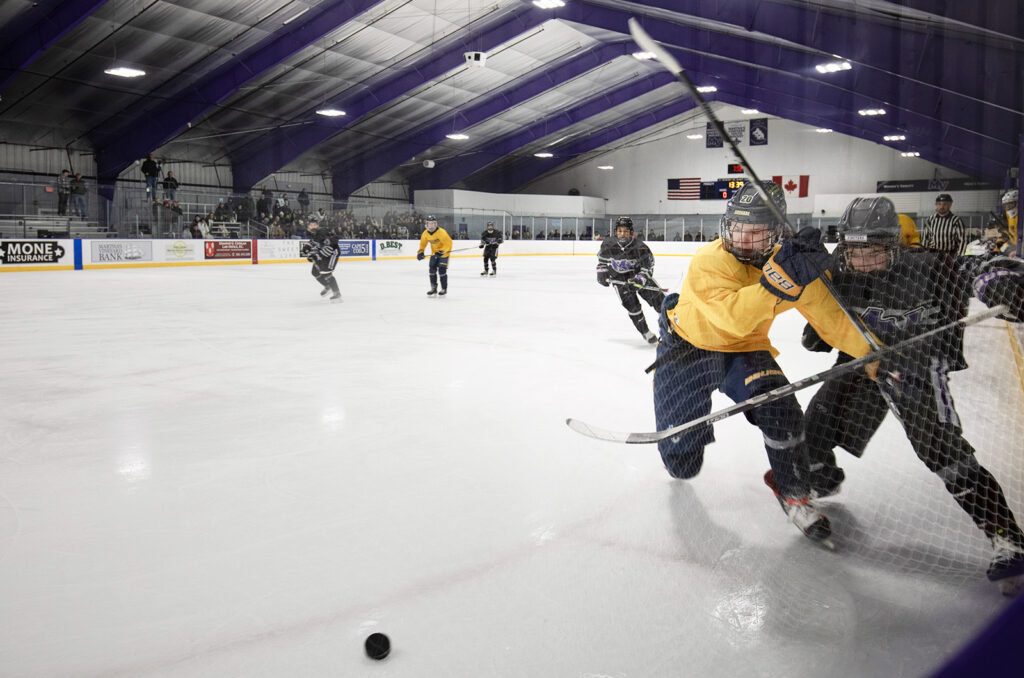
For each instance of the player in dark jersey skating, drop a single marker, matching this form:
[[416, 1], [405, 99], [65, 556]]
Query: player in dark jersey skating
[[627, 264], [323, 253], [489, 241]]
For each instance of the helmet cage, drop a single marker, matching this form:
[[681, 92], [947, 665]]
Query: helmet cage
[[749, 229], [869, 223]]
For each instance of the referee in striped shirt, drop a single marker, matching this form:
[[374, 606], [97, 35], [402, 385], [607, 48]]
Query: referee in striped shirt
[[944, 231]]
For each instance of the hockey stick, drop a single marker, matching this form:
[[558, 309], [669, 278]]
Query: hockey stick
[[647, 44], [775, 394], [645, 287]]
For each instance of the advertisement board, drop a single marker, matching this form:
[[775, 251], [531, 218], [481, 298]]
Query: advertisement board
[[270, 251], [227, 249], [110, 251], [354, 248], [28, 255], [180, 250]]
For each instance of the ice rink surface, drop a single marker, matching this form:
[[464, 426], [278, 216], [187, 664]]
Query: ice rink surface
[[214, 472]]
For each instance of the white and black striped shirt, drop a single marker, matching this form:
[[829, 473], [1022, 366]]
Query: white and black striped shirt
[[944, 234]]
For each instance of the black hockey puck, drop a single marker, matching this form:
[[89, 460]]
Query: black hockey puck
[[378, 646]]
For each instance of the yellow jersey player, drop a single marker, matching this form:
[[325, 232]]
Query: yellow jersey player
[[714, 336], [440, 250]]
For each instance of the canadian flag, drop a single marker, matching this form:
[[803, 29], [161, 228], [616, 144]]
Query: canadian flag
[[794, 185]]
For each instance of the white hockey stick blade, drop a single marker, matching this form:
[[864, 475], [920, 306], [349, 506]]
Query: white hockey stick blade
[[647, 44], [641, 438]]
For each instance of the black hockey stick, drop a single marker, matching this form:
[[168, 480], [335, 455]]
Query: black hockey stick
[[645, 287], [647, 44], [775, 394]]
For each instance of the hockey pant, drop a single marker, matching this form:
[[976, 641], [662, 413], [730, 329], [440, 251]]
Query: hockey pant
[[439, 268], [323, 271], [491, 255], [847, 411], [683, 385], [628, 296]]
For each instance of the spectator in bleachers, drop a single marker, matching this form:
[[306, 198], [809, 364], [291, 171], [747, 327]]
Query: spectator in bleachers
[[151, 172], [170, 186], [276, 231], [267, 204], [303, 201], [78, 191], [63, 192]]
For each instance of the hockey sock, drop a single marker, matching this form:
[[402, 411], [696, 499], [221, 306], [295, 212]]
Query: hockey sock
[[444, 281], [334, 285], [980, 496], [433, 279]]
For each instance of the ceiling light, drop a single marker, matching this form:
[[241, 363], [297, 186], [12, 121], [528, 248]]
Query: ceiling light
[[605, 167], [910, 154], [457, 136], [549, 4], [330, 112], [823, 130], [643, 56], [694, 136], [894, 137], [124, 72], [750, 111], [833, 67], [706, 89], [871, 111], [544, 154]]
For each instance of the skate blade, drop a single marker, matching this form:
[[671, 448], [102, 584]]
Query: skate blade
[[1011, 586], [828, 544]]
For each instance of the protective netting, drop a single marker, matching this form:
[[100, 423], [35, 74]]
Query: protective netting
[[932, 427]]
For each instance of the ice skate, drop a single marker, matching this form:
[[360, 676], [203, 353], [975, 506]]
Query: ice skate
[[825, 480], [494, 272], [802, 513], [650, 337], [1007, 566], [432, 292], [336, 297], [325, 291], [485, 272], [442, 292]]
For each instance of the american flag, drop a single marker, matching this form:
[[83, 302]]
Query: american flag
[[684, 189]]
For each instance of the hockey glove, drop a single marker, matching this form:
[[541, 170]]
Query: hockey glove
[[1002, 282], [420, 255], [798, 262], [602, 277], [638, 280], [481, 245], [813, 342]]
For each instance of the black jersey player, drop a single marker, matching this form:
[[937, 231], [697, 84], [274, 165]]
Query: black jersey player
[[899, 293], [323, 253], [627, 264], [489, 241]]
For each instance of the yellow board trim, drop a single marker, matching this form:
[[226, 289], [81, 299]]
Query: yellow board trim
[[170, 264], [16, 268]]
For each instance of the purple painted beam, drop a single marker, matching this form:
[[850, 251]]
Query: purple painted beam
[[943, 60], [26, 38], [366, 167], [998, 17], [887, 88], [820, 105], [155, 126], [277, 148]]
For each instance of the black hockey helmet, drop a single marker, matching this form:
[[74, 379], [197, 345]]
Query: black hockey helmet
[[869, 225], [749, 228], [490, 225], [625, 222], [430, 222]]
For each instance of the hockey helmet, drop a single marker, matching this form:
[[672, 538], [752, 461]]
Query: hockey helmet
[[750, 228], [1010, 199], [431, 223], [870, 236], [490, 225], [624, 222]]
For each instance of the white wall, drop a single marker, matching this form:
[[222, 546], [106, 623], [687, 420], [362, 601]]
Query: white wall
[[836, 163], [513, 203]]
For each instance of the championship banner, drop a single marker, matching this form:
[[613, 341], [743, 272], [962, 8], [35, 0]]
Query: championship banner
[[759, 132], [737, 131], [712, 139]]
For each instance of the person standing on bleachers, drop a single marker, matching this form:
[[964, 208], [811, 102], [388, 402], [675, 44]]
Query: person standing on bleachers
[[63, 192], [151, 172], [170, 186], [78, 192]]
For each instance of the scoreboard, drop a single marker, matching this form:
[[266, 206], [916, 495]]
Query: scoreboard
[[722, 189]]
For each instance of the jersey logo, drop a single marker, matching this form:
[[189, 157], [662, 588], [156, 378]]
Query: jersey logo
[[623, 265], [894, 320]]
